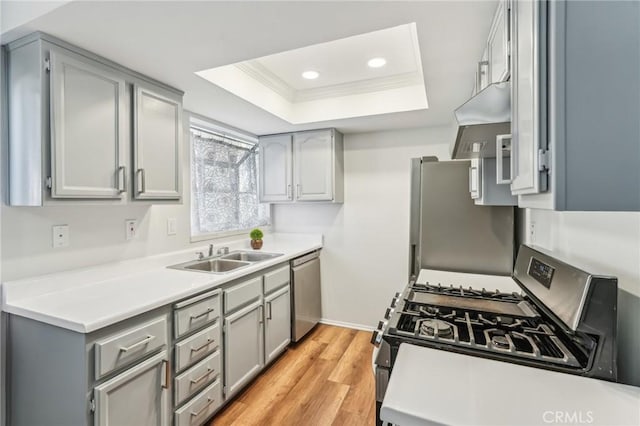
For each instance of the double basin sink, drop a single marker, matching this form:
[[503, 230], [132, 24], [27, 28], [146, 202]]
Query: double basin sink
[[223, 264]]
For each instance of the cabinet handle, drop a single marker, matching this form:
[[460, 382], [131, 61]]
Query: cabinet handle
[[269, 316], [204, 408], [501, 148], [167, 375], [480, 73], [201, 378], [200, 315], [201, 347], [142, 342], [261, 315], [142, 183], [289, 192], [298, 190], [122, 179]]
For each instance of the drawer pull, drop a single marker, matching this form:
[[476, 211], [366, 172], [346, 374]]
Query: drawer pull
[[201, 347], [204, 408], [201, 378], [200, 315], [142, 342]]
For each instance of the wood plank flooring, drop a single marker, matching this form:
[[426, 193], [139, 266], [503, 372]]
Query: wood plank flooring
[[324, 380]]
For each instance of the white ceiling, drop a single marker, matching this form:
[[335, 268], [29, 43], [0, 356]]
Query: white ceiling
[[346, 87], [345, 60], [170, 40]]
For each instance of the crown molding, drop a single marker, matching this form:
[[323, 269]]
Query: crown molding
[[359, 87], [263, 75]]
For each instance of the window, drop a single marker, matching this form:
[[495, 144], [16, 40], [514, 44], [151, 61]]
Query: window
[[224, 185]]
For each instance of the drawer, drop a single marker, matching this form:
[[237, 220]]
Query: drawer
[[195, 313], [197, 377], [242, 294], [129, 346], [276, 279], [198, 346], [196, 411]]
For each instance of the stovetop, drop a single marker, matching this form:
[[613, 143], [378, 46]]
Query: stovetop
[[482, 321]]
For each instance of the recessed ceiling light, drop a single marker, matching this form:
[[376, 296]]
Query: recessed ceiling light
[[310, 75], [377, 62]]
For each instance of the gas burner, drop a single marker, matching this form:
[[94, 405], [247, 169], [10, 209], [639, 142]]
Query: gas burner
[[430, 311], [500, 341], [436, 328]]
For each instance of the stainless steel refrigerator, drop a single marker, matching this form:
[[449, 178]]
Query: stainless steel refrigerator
[[448, 231]]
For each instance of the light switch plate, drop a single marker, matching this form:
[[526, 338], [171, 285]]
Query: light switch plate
[[60, 236], [171, 226], [130, 228]]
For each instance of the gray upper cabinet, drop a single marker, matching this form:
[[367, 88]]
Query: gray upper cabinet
[[71, 120], [87, 128], [528, 173], [498, 44], [276, 162], [313, 166], [575, 105], [156, 144], [139, 396], [303, 166]]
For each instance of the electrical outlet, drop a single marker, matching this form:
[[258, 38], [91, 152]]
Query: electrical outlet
[[171, 226], [532, 232], [60, 234], [130, 228]]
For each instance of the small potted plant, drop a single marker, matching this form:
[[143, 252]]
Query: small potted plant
[[256, 239]]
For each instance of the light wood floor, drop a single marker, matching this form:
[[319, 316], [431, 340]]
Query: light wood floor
[[324, 380]]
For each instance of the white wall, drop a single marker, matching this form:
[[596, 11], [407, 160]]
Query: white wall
[[366, 253], [97, 233], [604, 243]]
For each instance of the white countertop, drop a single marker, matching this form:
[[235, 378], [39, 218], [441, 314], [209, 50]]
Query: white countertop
[[505, 284], [435, 387], [88, 299]]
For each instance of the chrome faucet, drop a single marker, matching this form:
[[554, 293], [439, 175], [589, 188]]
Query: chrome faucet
[[201, 253], [223, 250]]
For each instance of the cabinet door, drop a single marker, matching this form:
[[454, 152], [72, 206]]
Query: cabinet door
[[139, 396], [498, 44], [313, 166], [156, 145], [243, 346], [87, 128], [277, 328], [475, 179], [276, 160], [528, 101]]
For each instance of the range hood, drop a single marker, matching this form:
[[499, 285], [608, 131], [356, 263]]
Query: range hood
[[480, 120]]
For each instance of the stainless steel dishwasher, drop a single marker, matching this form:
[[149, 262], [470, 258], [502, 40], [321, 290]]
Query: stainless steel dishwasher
[[306, 307]]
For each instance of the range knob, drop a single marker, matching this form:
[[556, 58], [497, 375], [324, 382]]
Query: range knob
[[388, 313], [397, 296], [394, 301], [376, 337], [382, 325]]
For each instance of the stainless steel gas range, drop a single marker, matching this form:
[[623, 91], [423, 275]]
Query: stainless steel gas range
[[558, 318]]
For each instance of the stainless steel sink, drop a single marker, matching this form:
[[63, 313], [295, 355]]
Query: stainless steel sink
[[250, 256], [214, 266]]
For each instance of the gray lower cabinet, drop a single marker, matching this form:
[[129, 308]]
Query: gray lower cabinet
[[139, 396], [277, 324], [243, 346], [118, 375]]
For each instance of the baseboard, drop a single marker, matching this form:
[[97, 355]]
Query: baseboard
[[346, 324]]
